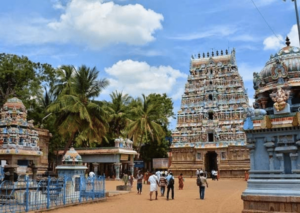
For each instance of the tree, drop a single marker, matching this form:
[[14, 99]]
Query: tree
[[119, 112], [77, 117], [22, 78], [63, 84], [147, 117]]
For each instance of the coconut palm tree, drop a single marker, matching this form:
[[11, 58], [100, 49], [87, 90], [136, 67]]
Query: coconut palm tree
[[78, 117], [118, 112], [146, 115], [64, 82]]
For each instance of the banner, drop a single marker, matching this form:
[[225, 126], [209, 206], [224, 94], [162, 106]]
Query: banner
[[160, 163], [139, 164]]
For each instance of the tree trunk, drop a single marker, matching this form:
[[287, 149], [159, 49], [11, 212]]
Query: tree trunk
[[68, 144], [140, 146]]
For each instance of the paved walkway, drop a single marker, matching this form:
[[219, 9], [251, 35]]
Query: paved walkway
[[223, 196]]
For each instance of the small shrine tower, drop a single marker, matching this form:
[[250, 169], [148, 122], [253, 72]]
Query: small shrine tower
[[20, 144], [209, 132], [273, 135]]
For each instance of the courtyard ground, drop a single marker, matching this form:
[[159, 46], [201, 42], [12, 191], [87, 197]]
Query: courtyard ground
[[223, 196]]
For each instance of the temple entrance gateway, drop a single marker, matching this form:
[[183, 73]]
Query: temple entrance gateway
[[211, 162]]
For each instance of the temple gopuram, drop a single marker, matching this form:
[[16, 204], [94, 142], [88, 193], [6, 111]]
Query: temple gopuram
[[22, 146], [209, 132]]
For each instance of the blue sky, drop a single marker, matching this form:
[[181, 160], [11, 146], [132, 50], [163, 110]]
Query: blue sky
[[145, 46]]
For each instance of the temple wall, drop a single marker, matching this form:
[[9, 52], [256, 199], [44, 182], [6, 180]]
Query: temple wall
[[232, 161], [44, 139]]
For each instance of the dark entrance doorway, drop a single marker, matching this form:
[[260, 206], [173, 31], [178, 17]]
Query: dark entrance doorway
[[210, 162]]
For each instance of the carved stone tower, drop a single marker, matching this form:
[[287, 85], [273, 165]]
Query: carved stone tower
[[209, 132]]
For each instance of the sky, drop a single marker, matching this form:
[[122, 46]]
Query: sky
[[145, 46]]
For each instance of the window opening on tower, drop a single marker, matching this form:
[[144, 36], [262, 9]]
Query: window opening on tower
[[210, 137], [210, 116]]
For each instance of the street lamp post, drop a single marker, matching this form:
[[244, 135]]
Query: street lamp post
[[297, 17]]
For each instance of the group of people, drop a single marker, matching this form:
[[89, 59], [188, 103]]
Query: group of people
[[156, 180], [161, 180]]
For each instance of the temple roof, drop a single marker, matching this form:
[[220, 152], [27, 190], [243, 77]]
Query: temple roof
[[286, 59], [104, 150], [213, 60], [72, 156], [14, 103]]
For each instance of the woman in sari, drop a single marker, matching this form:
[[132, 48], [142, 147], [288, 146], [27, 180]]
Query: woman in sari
[[180, 181]]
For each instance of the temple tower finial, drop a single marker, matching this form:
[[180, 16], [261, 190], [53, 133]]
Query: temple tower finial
[[287, 41]]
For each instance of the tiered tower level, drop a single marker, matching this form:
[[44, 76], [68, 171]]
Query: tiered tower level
[[209, 132]]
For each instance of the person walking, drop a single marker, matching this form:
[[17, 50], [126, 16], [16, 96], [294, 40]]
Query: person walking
[[158, 174], [139, 185], [180, 181], [162, 184], [153, 185], [203, 182], [170, 185], [197, 172], [146, 177], [216, 175], [92, 174], [213, 174], [130, 179]]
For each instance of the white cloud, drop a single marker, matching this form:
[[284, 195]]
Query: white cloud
[[276, 43], [91, 22], [293, 35], [273, 42], [218, 31], [57, 5], [136, 78]]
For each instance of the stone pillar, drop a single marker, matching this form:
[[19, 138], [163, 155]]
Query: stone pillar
[[34, 171], [251, 147], [95, 165], [280, 157], [270, 149], [131, 168], [294, 157], [271, 162], [117, 168], [131, 165]]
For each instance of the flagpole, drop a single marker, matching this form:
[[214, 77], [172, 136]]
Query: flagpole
[[297, 17]]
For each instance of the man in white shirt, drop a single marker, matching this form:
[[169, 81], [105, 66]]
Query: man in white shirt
[[158, 174], [91, 174], [153, 185]]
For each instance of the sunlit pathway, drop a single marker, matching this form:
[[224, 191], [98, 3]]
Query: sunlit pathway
[[223, 196]]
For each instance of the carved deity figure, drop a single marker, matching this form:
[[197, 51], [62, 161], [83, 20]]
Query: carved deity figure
[[280, 97], [256, 80]]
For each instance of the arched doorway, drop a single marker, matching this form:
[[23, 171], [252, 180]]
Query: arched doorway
[[211, 162]]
